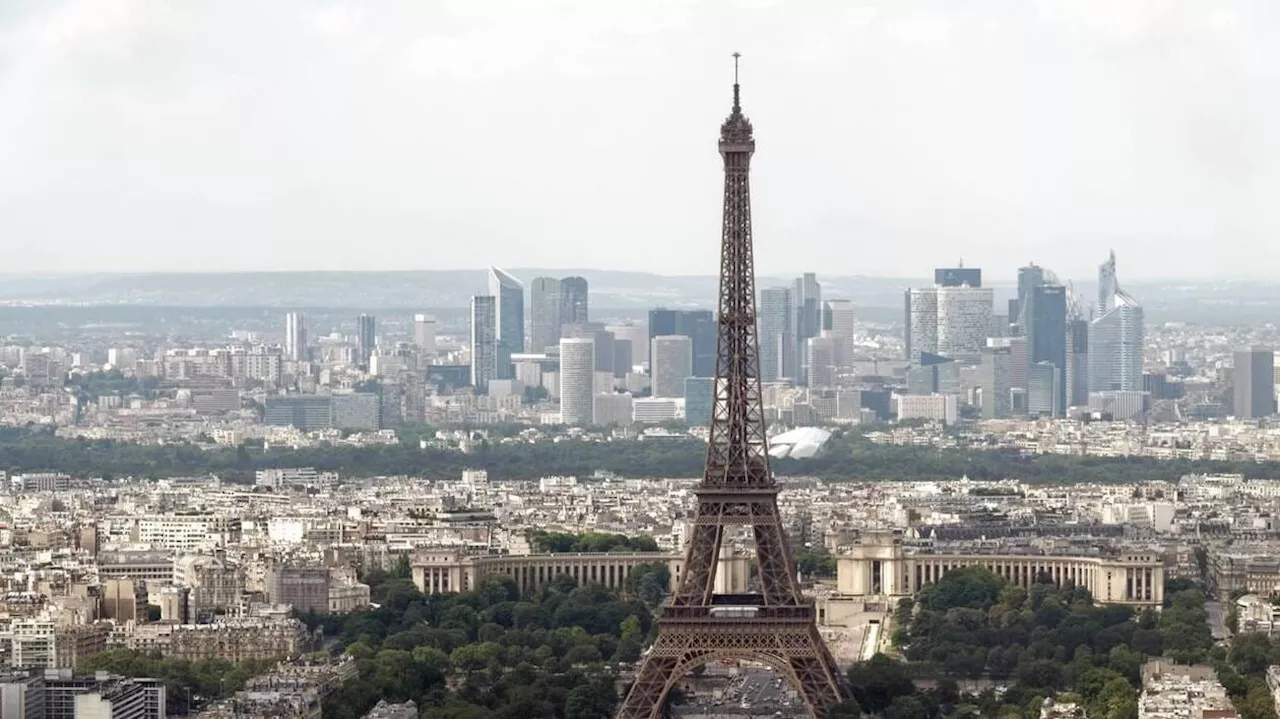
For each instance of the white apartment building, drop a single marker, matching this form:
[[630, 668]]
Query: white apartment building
[[185, 532], [964, 321], [652, 410], [33, 642], [938, 407]]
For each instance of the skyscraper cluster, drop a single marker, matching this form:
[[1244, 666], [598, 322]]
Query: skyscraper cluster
[[802, 338], [1045, 355], [582, 357], [953, 318]]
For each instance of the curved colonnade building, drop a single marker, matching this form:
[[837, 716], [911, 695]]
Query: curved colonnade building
[[440, 571], [881, 565]]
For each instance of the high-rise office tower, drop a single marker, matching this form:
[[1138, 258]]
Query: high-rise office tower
[[1254, 388], [807, 296], [703, 334], [366, 339], [553, 304], [1019, 353], [424, 335], [1116, 336], [603, 339], [777, 334], [1044, 390], [840, 321], [638, 335], [820, 361], [1029, 277], [1077, 375], [671, 358], [1116, 340], [699, 396], [921, 322], [577, 380], [544, 313], [957, 276], [1046, 332], [295, 336], [623, 359], [573, 301], [509, 295], [698, 325], [484, 341], [994, 377], [1107, 285], [964, 321]]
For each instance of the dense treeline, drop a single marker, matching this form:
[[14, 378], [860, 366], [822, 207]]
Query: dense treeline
[[1242, 669], [490, 653], [562, 542], [850, 457], [1046, 641]]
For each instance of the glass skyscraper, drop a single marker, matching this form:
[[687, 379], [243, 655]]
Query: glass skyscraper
[[777, 337], [699, 395], [1046, 331], [509, 295], [698, 325], [483, 341]]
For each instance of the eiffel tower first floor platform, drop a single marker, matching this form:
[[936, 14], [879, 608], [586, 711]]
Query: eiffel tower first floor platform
[[783, 638]]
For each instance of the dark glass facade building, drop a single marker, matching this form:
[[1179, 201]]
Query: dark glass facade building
[[698, 325], [1046, 332], [957, 276]]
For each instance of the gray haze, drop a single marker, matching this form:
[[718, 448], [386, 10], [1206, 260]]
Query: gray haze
[[893, 135]]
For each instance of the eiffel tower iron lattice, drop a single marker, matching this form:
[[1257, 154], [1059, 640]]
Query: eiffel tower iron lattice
[[776, 626]]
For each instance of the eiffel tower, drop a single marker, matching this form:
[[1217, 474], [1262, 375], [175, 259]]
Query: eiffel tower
[[776, 626]]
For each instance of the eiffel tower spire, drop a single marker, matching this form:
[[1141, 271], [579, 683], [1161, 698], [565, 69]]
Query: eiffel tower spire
[[775, 625]]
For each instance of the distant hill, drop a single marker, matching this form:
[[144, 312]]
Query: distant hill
[[441, 288], [1217, 302]]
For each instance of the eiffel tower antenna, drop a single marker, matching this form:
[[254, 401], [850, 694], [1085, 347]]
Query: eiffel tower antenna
[[777, 625]]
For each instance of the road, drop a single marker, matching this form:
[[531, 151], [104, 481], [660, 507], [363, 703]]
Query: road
[[1214, 609], [752, 691]]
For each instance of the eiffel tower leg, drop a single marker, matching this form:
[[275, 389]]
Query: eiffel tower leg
[[698, 581], [772, 556], [795, 652]]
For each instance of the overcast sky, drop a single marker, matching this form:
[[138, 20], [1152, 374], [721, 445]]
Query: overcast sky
[[892, 135]]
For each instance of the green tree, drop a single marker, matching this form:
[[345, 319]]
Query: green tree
[[847, 709], [877, 682]]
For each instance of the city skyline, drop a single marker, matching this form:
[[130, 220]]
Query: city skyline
[[1024, 134], [547, 504]]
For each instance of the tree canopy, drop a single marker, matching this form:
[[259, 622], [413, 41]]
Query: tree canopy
[[489, 652], [561, 542], [846, 458]]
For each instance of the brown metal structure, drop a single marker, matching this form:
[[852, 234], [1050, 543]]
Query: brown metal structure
[[776, 626]]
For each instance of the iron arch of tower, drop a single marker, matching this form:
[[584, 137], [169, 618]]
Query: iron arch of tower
[[776, 626]]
